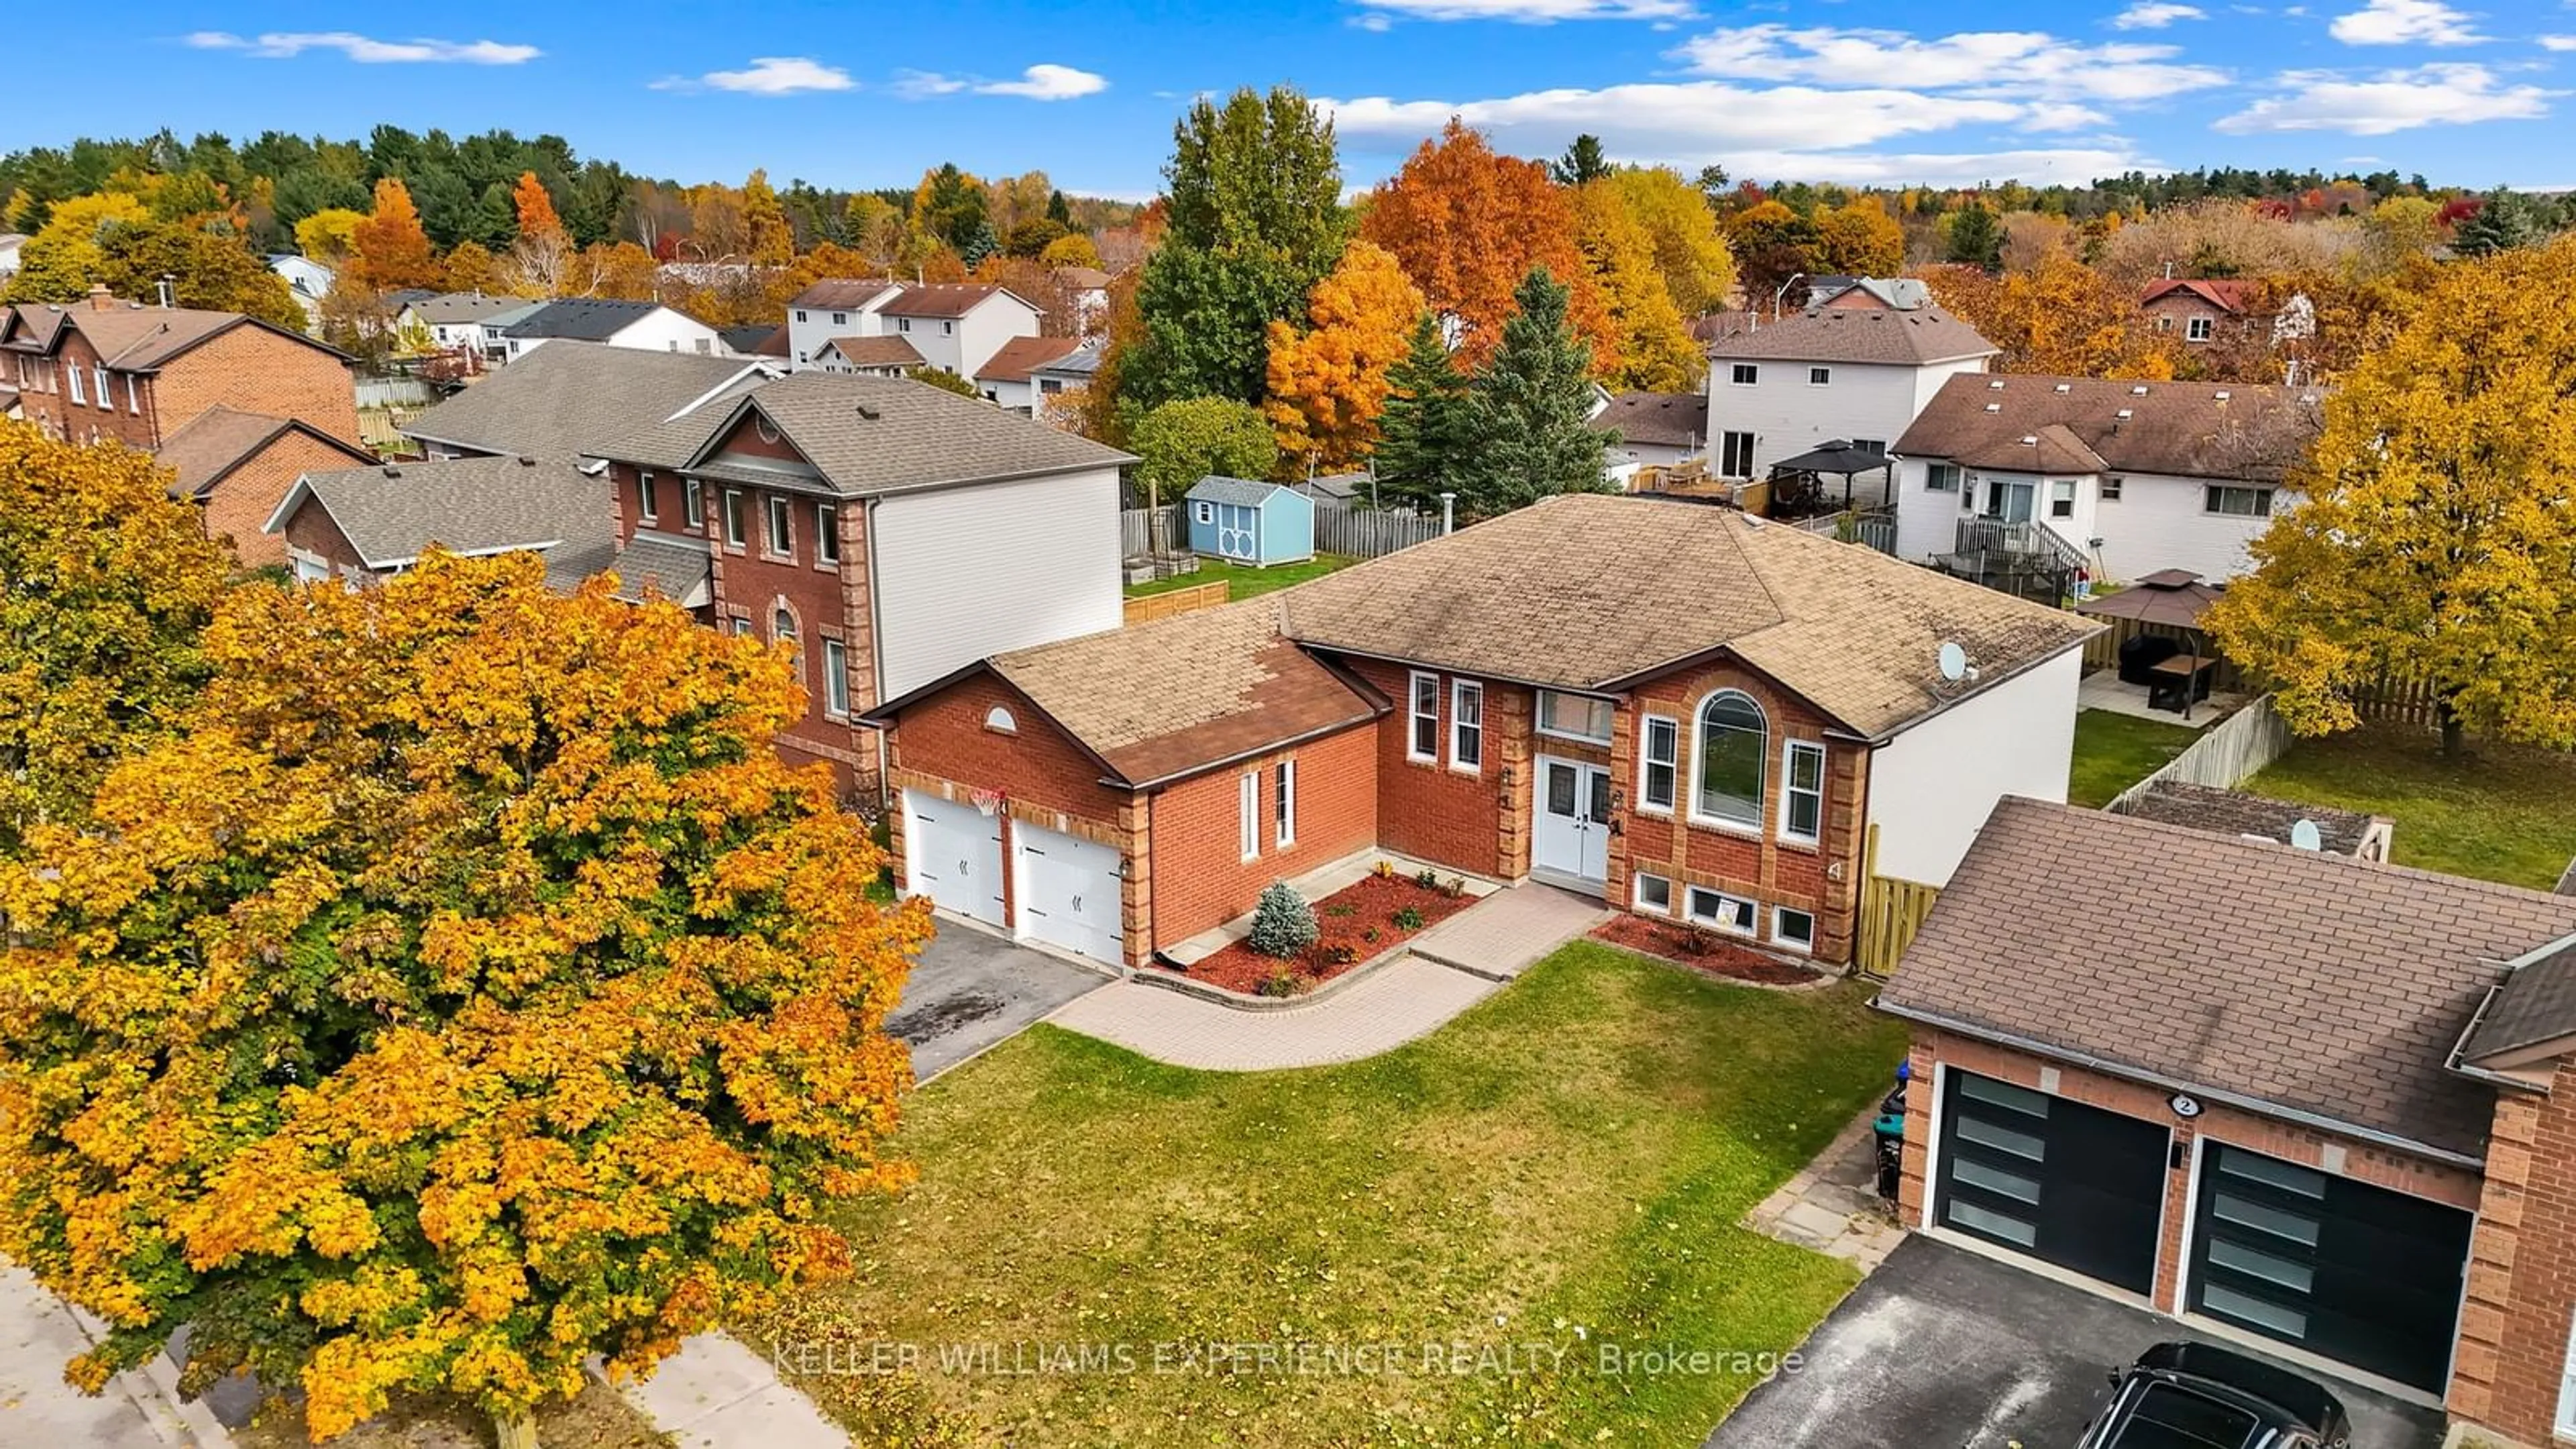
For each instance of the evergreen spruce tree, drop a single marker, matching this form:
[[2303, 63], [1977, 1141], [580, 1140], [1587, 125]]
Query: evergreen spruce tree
[[1532, 408], [1424, 437], [2504, 222]]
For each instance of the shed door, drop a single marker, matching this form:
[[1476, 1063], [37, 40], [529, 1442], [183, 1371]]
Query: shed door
[[2356, 1273], [2066, 1183], [1238, 531]]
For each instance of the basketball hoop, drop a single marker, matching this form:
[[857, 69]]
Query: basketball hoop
[[987, 801]]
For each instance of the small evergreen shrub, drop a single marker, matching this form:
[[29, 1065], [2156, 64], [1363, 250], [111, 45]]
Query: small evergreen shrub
[[1408, 919], [1283, 925]]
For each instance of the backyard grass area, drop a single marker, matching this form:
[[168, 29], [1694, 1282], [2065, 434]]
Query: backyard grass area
[[1241, 581], [2504, 813], [2115, 751], [1560, 1170]]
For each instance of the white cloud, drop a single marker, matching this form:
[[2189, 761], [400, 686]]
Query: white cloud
[[1659, 118], [2558, 42], [768, 75], [2398, 100], [1989, 62], [1037, 83], [1047, 83], [285, 45], [1539, 12], [2405, 22], [2155, 15]]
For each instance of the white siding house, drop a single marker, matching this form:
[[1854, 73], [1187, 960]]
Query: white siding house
[[1041, 554], [834, 308], [1858, 376], [959, 326], [1931, 787], [2134, 477], [644, 326]]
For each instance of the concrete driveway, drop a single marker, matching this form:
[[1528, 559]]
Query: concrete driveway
[[970, 990], [1943, 1349]]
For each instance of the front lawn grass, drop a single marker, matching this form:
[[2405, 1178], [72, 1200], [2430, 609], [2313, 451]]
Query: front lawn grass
[[2114, 751], [1243, 581], [1563, 1166], [2504, 813]]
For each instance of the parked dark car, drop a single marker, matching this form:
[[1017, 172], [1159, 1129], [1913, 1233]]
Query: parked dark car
[[2199, 1396]]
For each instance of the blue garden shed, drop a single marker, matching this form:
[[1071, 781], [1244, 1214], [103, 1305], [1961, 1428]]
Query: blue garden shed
[[1250, 523]]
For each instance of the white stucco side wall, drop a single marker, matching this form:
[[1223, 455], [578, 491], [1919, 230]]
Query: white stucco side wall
[[1931, 788], [1788, 414], [960, 573]]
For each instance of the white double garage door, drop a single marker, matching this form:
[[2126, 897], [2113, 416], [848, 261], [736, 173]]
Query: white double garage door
[[1067, 888]]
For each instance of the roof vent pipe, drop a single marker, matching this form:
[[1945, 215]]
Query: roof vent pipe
[[167, 279], [1448, 513]]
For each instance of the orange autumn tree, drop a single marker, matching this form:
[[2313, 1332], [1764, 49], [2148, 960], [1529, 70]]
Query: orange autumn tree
[[1469, 224], [2061, 318], [468, 989], [391, 250], [1328, 384]]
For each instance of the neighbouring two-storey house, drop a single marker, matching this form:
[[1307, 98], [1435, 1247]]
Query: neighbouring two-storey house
[[644, 326], [831, 309], [235, 406], [1731, 736], [958, 327], [2129, 477], [2200, 311], [2317, 1104], [1857, 375]]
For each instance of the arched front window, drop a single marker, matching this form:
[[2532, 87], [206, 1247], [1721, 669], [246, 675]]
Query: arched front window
[[1727, 770], [782, 629]]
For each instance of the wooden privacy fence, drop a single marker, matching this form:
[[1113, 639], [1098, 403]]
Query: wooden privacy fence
[[1891, 911], [1136, 530], [1164, 605], [2399, 701], [2223, 757], [2102, 651], [1356, 532]]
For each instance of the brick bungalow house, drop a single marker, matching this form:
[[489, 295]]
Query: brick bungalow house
[[237, 467], [1716, 736], [103, 368], [2295, 1097]]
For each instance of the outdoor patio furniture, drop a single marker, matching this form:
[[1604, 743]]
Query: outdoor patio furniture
[[2179, 682], [2140, 656]]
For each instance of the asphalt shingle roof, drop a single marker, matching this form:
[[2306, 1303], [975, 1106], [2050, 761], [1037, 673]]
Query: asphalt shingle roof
[[887, 351], [1216, 488], [2091, 424], [1586, 591], [1668, 419], [575, 399], [676, 568], [1858, 335], [2235, 812], [580, 319], [395, 513], [2294, 978], [945, 299], [843, 292], [2536, 1004], [220, 439], [452, 308], [870, 435], [1014, 360]]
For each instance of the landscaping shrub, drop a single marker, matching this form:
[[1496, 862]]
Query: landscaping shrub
[[1428, 879], [1283, 924], [1283, 983], [1339, 953], [1408, 919]]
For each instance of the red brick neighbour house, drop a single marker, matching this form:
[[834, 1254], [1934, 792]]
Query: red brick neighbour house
[[2294, 1097], [107, 369], [237, 467], [2198, 310], [1674, 708]]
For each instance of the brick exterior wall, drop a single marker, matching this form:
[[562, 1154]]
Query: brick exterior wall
[[242, 500], [255, 370], [1761, 866], [1426, 809], [2337, 1156], [85, 421], [1202, 879], [826, 602], [311, 530], [2522, 1267]]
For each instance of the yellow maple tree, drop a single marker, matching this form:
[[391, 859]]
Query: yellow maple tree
[[1655, 352], [1690, 251], [2060, 318], [1328, 383], [468, 989]]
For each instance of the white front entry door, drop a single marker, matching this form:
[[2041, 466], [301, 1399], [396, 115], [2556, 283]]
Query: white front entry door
[[1570, 824], [954, 856], [1068, 893]]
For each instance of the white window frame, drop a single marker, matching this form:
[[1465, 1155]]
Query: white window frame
[[1726, 449], [736, 534], [2061, 494], [2565, 1421], [840, 319], [2199, 329], [1730, 908], [1466, 698], [133, 396], [1942, 478], [2211, 495], [1609, 718], [1283, 781], [693, 502], [1820, 377], [1248, 801], [106, 395], [779, 535], [827, 535], [645, 512], [903, 324], [1786, 941], [1699, 748], [1646, 763], [1637, 893], [1790, 790], [836, 679], [80, 398], [1415, 716], [1744, 374]]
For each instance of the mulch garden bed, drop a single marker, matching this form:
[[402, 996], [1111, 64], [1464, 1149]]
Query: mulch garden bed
[[1700, 950], [1352, 925]]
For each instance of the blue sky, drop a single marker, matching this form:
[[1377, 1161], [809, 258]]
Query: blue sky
[[1832, 90]]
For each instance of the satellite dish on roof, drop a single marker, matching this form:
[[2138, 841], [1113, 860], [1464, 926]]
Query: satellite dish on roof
[[2305, 836], [1954, 662]]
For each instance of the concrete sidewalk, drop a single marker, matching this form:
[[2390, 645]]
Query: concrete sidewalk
[[718, 1393], [1510, 931], [38, 1335], [1403, 1000]]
